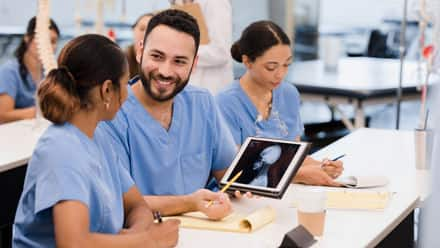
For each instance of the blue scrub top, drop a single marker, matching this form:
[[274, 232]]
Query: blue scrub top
[[240, 113], [68, 165], [175, 161], [11, 83]]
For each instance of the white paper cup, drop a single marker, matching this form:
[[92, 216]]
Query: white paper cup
[[311, 211], [312, 201]]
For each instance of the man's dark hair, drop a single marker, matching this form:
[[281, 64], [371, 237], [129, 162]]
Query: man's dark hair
[[178, 20]]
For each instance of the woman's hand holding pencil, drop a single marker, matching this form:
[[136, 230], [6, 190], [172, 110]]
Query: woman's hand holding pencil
[[333, 167]]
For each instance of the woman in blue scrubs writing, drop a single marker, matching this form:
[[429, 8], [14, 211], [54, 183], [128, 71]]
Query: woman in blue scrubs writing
[[19, 77], [74, 194], [261, 104]]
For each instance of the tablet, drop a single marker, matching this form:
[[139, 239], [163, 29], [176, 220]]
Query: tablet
[[267, 165]]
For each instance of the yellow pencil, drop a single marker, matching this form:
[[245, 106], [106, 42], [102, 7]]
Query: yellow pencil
[[227, 186]]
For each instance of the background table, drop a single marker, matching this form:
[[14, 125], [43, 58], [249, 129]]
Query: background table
[[359, 81]]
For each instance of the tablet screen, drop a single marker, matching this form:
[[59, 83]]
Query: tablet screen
[[264, 163]]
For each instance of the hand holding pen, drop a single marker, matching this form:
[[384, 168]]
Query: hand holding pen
[[164, 233], [334, 167]]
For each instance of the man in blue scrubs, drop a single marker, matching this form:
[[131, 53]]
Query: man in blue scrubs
[[171, 135]]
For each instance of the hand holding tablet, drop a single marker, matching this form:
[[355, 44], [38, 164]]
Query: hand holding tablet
[[267, 165]]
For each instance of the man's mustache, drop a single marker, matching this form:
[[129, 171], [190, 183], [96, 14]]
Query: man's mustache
[[163, 78]]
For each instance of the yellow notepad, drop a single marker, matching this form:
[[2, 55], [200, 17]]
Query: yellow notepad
[[235, 222], [356, 200], [363, 200]]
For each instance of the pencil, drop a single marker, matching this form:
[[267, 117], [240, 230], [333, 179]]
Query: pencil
[[227, 186]]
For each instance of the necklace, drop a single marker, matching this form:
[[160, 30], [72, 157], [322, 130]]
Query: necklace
[[269, 108], [259, 99], [265, 109]]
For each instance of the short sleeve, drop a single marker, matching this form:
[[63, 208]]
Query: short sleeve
[[126, 180], [8, 82], [225, 147], [109, 137], [115, 135], [59, 185], [230, 118]]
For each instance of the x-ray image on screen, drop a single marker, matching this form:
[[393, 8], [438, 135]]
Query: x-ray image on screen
[[264, 163]]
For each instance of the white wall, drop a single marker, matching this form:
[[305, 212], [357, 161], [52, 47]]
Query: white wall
[[339, 13], [244, 11], [362, 13], [61, 10]]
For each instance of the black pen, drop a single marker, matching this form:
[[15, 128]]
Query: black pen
[[338, 157], [157, 217]]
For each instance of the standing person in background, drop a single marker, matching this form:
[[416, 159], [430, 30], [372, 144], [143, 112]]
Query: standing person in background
[[76, 194], [261, 104], [20, 76], [214, 66], [139, 28]]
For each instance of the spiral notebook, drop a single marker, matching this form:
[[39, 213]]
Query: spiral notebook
[[235, 222], [362, 181]]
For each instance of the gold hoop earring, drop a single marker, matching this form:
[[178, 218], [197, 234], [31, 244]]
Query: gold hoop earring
[[107, 105]]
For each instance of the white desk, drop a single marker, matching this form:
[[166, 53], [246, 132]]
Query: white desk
[[17, 141], [369, 151], [381, 152]]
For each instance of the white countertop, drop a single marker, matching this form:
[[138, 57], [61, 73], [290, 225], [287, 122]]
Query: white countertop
[[368, 152], [17, 142]]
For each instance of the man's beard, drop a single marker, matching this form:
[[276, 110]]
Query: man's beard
[[179, 85]]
